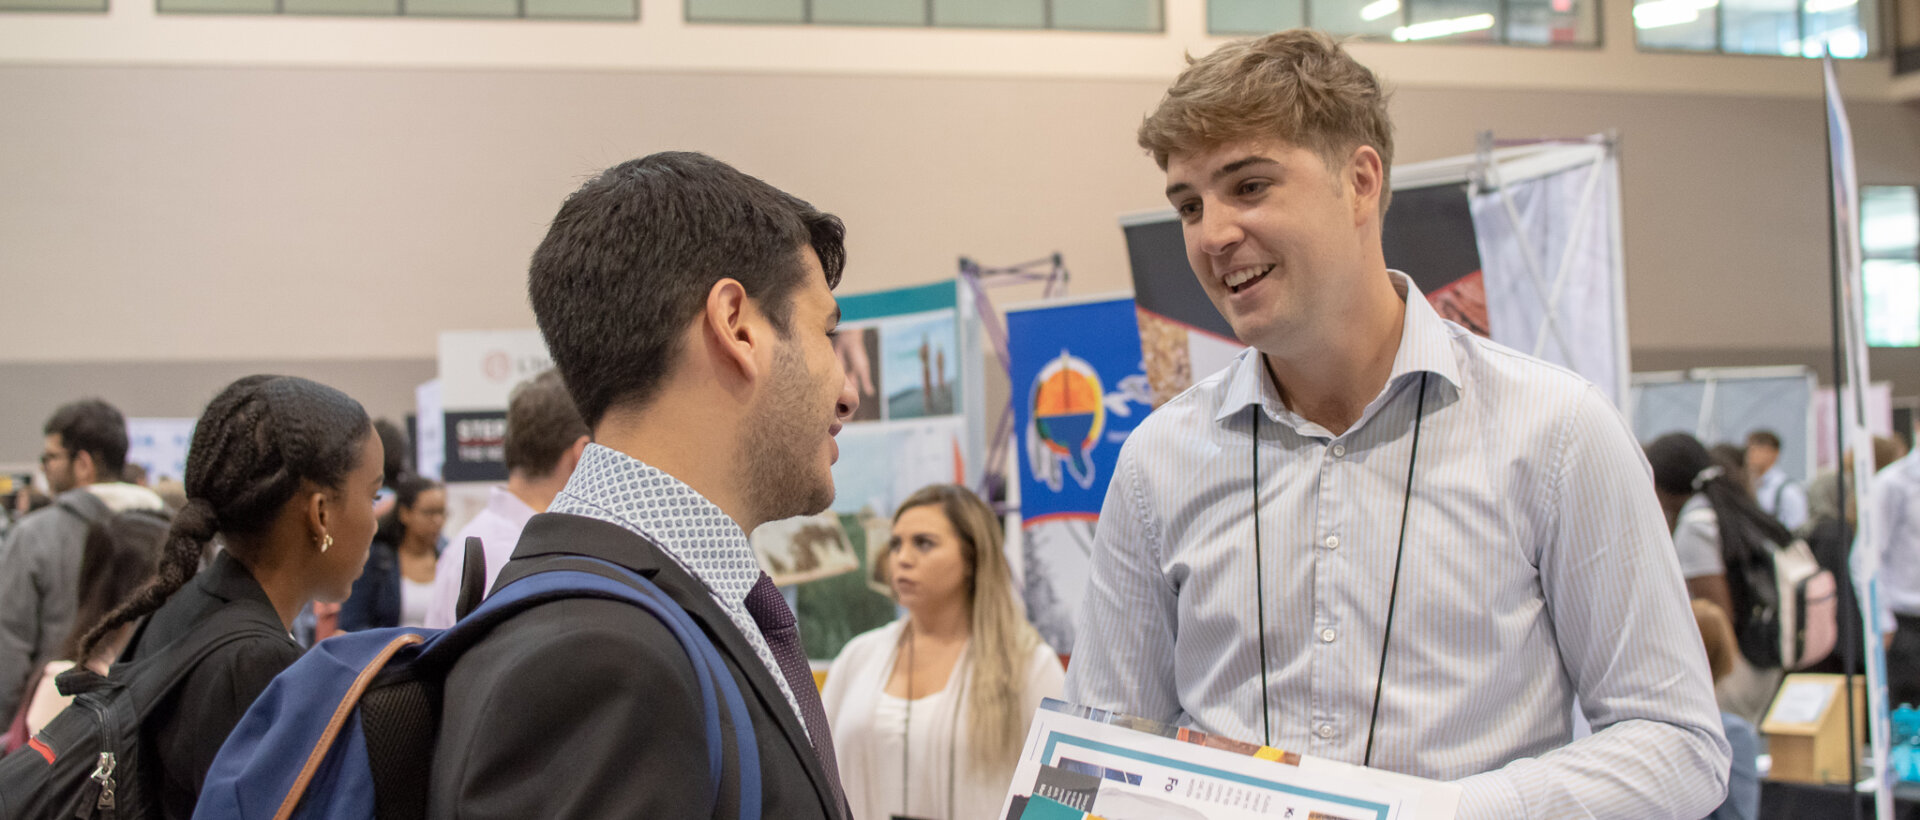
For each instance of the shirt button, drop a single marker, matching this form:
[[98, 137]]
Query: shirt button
[[1333, 542], [1326, 731], [1326, 636], [1339, 450]]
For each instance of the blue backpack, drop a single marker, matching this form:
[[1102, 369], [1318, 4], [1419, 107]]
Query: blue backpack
[[348, 731]]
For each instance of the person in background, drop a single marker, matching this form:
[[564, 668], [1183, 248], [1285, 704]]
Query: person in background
[[397, 585], [545, 437], [83, 455], [1895, 541], [284, 471], [119, 555], [929, 712], [1829, 533], [398, 464], [1732, 462], [134, 474], [1779, 496], [1823, 492], [1718, 530], [1743, 782]]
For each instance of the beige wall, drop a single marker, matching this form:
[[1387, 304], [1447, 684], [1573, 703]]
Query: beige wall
[[204, 213], [211, 216]]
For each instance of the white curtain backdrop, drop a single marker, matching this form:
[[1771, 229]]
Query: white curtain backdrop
[[1547, 257]]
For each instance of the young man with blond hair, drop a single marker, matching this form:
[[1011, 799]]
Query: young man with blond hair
[[1376, 537]]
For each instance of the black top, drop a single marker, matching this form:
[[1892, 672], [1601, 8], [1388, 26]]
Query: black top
[[375, 601], [601, 699], [185, 730]]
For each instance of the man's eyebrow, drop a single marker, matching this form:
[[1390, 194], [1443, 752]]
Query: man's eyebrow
[[1229, 168]]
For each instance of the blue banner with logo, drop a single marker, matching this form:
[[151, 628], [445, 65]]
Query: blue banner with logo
[[1078, 390]]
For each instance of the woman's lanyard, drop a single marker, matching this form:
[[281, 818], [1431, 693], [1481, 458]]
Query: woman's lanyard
[[906, 738]]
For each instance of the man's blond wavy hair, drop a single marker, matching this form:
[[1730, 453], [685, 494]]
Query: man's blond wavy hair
[[1299, 85]]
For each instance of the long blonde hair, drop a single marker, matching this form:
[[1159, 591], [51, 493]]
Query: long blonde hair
[[1002, 641]]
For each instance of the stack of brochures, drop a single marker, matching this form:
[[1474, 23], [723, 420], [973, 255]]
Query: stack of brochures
[[1081, 762]]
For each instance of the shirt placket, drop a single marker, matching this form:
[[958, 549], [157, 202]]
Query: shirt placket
[[1329, 558]]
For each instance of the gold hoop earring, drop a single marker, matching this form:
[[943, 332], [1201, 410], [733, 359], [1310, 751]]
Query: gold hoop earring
[[325, 543]]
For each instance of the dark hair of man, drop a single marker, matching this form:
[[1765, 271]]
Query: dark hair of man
[[1679, 460], [1766, 438], [542, 424], [119, 553], [631, 256], [258, 442], [406, 494], [96, 428], [1732, 462], [398, 448]]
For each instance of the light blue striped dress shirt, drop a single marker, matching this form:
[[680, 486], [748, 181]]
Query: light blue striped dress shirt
[[1538, 567]]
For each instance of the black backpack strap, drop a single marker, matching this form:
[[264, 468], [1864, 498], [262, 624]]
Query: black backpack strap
[[473, 578], [153, 677]]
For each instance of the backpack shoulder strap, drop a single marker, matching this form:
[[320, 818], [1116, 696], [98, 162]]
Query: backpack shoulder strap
[[341, 712], [151, 678]]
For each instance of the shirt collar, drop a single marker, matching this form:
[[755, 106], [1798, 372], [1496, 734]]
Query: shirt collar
[[503, 503], [1426, 346], [617, 488]]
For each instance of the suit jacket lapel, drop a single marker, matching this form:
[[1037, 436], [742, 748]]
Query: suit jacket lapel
[[556, 534]]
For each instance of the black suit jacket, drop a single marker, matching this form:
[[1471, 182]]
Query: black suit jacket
[[590, 708]]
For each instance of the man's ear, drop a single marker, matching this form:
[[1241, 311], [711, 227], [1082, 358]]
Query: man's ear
[[1365, 176], [729, 323], [85, 470]]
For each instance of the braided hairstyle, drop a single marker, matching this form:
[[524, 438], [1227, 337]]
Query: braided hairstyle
[[1748, 535], [258, 440]]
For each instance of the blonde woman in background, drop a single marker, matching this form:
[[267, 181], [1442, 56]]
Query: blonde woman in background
[[929, 712]]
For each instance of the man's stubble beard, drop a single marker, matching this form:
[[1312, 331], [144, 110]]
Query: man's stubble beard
[[783, 444]]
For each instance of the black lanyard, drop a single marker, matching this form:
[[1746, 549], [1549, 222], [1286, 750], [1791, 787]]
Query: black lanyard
[[1393, 595]]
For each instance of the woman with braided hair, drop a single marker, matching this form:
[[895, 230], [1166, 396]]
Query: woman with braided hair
[[1718, 530], [284, 471]]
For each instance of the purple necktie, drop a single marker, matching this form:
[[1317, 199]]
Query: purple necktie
[[770, 611]]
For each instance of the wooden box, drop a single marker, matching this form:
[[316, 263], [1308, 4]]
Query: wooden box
[[1806, 728]]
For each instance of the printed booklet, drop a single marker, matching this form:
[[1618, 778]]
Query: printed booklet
[[1080, 762]]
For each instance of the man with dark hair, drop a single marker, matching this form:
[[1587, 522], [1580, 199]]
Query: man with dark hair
[[83, 455], [545, 437], [1374, 536], [1779, 495], [689, 308]]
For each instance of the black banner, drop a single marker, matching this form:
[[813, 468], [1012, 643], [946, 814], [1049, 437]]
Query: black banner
[[476, 446]]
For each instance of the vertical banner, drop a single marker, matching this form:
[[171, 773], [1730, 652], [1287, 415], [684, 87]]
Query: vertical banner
[[1079, 388], [1852, 384], [913, 356], [429, 441]]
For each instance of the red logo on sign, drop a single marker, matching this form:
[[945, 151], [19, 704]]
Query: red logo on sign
[[497, 366]]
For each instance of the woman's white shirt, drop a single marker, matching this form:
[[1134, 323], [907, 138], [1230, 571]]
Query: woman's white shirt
[[871, 727]]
